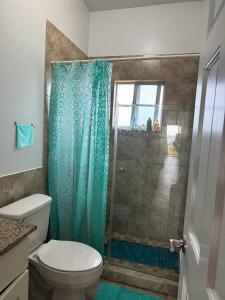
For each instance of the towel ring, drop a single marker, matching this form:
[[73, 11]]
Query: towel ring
[[30, 124]]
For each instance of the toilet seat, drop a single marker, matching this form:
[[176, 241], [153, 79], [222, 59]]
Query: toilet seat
[[68, 256], [65, 264]]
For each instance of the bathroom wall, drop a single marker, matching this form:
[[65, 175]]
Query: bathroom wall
[[150, 192], [22, 60], [156, 29], [16, 186], [58, 47]]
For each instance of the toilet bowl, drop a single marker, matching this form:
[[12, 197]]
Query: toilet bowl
[[68, 267]]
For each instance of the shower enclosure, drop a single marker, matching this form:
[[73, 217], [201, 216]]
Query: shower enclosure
[[151, 148]]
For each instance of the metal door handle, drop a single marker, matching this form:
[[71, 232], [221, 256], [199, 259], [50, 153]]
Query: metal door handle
[[178, 245], [122, 169]]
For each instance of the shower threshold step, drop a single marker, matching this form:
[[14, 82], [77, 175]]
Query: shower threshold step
[[146, 269], [140, 280]]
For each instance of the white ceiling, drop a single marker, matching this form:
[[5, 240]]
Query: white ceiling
[[97, 5]]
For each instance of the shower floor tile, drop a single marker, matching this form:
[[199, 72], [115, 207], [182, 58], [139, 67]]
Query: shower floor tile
[[144, 254]]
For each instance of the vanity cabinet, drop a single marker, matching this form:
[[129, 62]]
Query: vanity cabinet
[[13, 263], [14, 273], [18, 289], [14, 254]]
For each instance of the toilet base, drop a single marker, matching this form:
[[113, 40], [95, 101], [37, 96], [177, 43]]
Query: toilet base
[[63, 294]]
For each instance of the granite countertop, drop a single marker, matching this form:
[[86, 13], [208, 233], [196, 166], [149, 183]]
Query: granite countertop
[[12, 233]]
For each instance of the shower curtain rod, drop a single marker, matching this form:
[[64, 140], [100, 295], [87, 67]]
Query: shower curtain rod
[[125, 58]]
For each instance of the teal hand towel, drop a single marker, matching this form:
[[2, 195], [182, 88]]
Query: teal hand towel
[[24, 135]]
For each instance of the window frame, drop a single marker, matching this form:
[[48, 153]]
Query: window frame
[[137, 84]]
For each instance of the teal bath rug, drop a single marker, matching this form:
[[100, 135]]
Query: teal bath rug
[[108, 291]]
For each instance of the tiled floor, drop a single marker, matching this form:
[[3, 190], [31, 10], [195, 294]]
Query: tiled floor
[[140, 280], [145, 268], [92, 290], [160, 257]]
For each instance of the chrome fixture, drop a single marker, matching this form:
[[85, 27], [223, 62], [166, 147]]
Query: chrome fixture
[[178, 245]]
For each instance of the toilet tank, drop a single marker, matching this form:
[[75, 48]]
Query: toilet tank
[[35, 210]]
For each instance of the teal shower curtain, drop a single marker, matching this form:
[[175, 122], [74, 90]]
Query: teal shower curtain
[[78, 151]]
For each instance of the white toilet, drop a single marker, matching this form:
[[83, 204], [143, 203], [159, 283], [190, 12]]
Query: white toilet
[[68, 267]]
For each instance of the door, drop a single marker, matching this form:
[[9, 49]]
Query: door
[[18, 289], [203, 263]]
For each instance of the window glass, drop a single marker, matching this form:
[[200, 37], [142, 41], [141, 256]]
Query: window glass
[[125, 94], [140, 106], [124, 117], [147, 94], [142, 114]]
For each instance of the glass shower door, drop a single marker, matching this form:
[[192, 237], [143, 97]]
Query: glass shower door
[[146, 178]]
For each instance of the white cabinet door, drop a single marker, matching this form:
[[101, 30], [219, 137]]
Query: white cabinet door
[[203, 264], [14, 262], [18, 290]]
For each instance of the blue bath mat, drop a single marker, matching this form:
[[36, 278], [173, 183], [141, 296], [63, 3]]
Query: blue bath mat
[[144, 254], [108, 291]]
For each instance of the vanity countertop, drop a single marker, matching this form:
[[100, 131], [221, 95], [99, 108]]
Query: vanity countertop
[[12, 233]]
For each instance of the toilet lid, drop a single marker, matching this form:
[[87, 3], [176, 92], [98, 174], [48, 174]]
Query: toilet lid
[[69, 256]]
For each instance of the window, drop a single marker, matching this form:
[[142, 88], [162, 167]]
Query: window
[[138, 104]]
